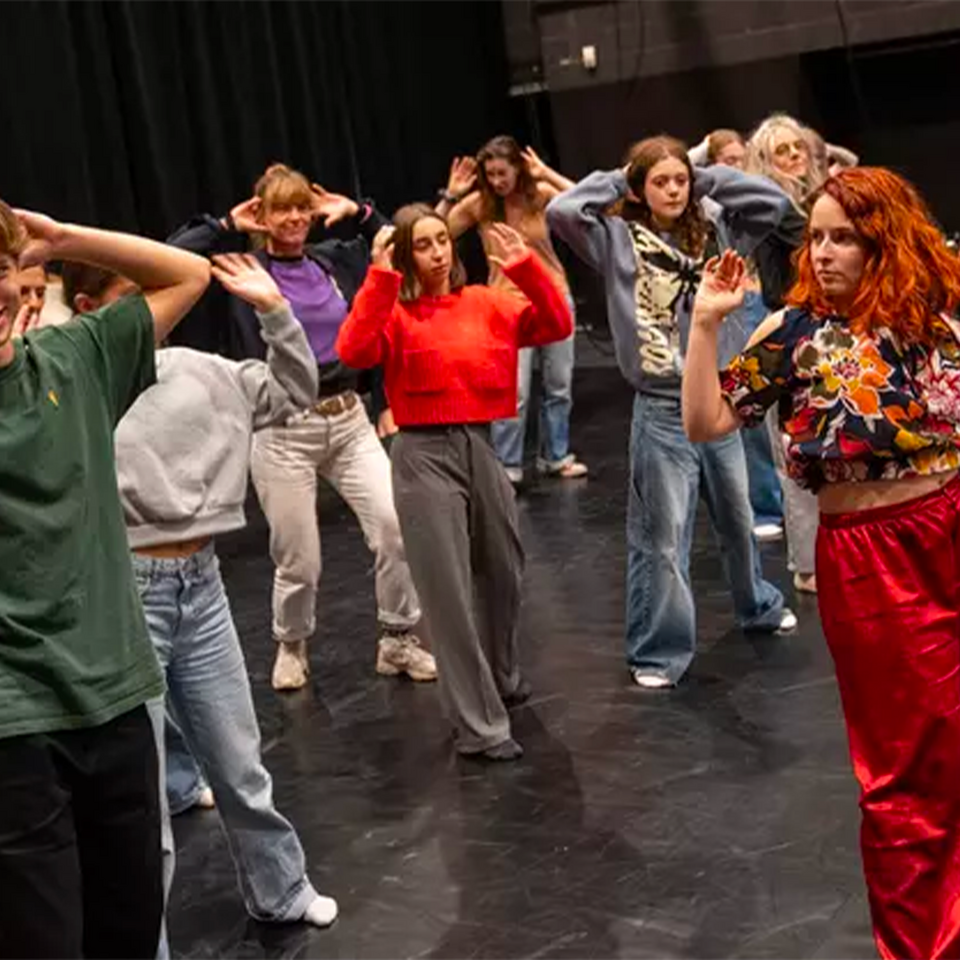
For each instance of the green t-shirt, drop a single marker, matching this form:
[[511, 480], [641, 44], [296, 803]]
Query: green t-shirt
[[74, 647]]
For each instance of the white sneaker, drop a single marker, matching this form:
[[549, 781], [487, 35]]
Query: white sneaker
[[768, 531], [788, 621], [402, 653], [514, 475], [321, 911], [651, 681], [292, 666], [206, 799]]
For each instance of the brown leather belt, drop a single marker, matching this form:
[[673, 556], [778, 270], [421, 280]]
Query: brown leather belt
[[174, 551], [337, 404]]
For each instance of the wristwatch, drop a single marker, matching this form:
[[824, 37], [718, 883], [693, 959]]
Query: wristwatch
[[445, 194]]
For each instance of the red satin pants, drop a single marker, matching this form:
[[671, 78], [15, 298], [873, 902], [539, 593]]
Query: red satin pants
[[889, 593]]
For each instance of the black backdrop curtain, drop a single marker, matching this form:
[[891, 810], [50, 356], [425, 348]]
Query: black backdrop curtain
[[137, 115]]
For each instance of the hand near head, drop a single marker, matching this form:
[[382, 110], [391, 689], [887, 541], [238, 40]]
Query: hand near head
[[331, 208], [382, 253], [535, 166], [242, 275], [508, 244], [26, 319], [246, 216], [722, 287], [44, 235], [463, 176]]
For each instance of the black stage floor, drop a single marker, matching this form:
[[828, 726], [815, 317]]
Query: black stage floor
[[716, 820]]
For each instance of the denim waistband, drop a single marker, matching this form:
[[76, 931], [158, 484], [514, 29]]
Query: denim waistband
[[164, 566]]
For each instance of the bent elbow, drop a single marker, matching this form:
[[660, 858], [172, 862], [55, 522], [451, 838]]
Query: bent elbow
[[698, 430]]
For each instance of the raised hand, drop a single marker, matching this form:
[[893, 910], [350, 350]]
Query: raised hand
[[242, 275], [508, 243], [331, 208], [44, 235], [246, 216], [535, 166], [382, 253], [26, 319], [463, 176], [722, 287]]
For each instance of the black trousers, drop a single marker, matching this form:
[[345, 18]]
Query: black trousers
[[80, 861]]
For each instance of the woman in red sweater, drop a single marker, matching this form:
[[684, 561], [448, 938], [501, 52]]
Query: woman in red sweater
[[449, 355]]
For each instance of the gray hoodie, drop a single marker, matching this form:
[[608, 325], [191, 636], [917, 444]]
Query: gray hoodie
[[183, 449], [650, 285]]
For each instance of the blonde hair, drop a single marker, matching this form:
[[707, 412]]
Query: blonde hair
[[13, 237], [760, 158], [281, 185]]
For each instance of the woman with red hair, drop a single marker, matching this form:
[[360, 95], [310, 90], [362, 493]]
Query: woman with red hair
[[864, 367]]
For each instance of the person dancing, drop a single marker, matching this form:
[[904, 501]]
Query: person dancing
[[183, 455], [647, 229], [508, 185], [80, 848], [449, 354], [864, 372], [333, 438]]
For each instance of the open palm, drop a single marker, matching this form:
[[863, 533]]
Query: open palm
[[330, 208], [723, 285], [242, 275]]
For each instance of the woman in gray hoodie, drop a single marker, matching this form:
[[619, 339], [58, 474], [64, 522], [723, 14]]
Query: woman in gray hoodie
[[648, 229], [183, 457]]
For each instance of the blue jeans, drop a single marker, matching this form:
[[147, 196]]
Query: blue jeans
[[667, 474], [556, 370], [766, 495], [188, 616], [185, 779]]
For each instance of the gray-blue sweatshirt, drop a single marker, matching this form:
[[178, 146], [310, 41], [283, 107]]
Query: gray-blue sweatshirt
[[650, 285]]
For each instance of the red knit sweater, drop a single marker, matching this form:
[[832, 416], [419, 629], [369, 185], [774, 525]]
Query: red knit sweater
[[452, 359]]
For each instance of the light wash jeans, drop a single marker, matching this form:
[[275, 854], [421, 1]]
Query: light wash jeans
[[286, 463], [185, 779], [188, 616], [556, 369], [667, 474], [766, 498]]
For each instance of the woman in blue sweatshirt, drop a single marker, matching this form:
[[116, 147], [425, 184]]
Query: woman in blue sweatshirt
[[648, 230]]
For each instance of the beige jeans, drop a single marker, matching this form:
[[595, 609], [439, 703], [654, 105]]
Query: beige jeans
[[286, 463]]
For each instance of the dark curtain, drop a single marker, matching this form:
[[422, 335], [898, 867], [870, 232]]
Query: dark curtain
[[137, 115]]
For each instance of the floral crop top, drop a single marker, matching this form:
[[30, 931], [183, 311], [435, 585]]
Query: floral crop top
[[852, 406]]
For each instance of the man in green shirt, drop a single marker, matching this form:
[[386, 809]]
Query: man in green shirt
[[80, 860]]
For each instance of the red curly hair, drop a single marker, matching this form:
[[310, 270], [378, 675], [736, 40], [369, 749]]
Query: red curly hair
[[909, 276]]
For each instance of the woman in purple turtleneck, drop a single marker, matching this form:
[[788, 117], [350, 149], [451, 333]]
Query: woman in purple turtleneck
[[334, 439]]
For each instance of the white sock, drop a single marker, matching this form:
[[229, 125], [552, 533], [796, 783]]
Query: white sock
[[321, 912]]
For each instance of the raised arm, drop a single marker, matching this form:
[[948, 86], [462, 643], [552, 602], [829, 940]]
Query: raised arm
[[289, 378], [707, 412], [172, 280], [361, 342], [546, 317], [460, 201], [754, 207], [577, 215], [549, 182], [208, 235]]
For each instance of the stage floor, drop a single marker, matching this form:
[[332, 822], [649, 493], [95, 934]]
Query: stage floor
[[716, 820]]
